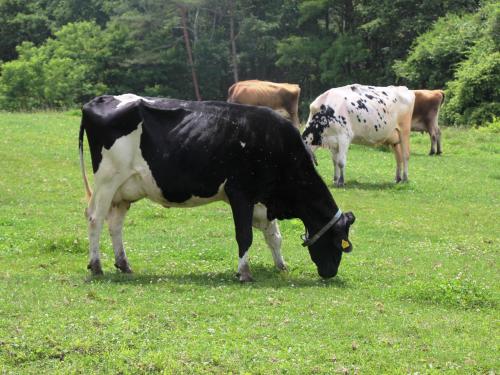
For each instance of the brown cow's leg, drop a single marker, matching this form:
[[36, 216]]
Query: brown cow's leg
[[433, 137], [438, 141], [116, 218], [405, 150]]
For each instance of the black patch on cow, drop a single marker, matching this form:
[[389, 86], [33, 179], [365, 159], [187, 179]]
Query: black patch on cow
[[369, 96], [319, 122], [361, 105]]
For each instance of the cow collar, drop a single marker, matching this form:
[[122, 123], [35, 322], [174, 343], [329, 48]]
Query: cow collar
[[309, 241]]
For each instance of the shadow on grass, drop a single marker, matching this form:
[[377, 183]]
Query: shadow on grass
[[354, 184], [265, 277]]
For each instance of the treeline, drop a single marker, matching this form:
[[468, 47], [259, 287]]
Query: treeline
[[60, 53]]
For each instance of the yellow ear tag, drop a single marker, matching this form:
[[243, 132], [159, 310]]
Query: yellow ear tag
[[345, 244]]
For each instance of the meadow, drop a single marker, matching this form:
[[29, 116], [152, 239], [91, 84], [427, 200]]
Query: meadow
[[419, 293]]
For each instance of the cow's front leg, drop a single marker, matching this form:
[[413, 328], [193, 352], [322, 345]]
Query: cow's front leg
[[242, 210], [116, 218], [271, 232]]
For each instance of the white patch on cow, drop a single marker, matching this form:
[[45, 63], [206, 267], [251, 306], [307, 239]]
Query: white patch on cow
[[243, 264], [271, 232], [124, 160], [243, 144], [130, 98], [308, 140]]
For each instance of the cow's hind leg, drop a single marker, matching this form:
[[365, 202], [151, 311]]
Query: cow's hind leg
[[242, 210], [438, 141], [98, 209], [116, 218], [339, 159], [399, 161], [271, 232]]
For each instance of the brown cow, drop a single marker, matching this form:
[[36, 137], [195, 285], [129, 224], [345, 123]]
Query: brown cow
[[425, 116], [281, 97]]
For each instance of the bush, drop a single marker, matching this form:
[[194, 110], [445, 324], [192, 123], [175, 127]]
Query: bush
[[61, 73], [473, 97]]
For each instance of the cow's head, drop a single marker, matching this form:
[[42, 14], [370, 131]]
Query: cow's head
[[318, 121], [326, 249]]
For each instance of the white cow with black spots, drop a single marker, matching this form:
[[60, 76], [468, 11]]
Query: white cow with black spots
[[364, 115]]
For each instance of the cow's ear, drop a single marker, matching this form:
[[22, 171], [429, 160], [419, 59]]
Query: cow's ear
[[350, 218]]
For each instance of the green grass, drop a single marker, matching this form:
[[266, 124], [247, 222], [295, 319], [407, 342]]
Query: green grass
[[419, 293]]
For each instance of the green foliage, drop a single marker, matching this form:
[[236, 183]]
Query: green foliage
[[63, 72], [20, 21], [473, 97], [474, 93], [461, 51], [138, 46], [436, 53], [344, 61]]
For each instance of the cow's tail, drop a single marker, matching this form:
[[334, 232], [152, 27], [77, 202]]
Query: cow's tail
[[442, 93], [88, 191]]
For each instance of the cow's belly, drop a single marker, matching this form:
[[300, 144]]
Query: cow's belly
[[418, 126], [143, 185], [372, 137]]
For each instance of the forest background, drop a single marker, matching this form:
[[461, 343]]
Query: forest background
[[57, 54]]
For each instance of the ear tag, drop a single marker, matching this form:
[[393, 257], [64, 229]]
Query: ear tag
[[345, 244]]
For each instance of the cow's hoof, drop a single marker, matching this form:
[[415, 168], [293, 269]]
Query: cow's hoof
[[95, 268], [432, 153], [397, 180], [338, 184], [246, 278], [282, 267], [439, 153], [124, 267]]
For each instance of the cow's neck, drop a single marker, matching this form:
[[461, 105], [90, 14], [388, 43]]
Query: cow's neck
[[317, 211]]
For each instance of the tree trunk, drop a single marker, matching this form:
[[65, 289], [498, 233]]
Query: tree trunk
[[233, 41], [183, 12]]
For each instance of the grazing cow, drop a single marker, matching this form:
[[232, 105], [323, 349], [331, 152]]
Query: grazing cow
[[361, 114], [185, 154], [425, 116], [281, 97]]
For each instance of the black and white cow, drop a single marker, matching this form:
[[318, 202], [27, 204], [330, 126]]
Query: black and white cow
[[365, 115], [185, 154]]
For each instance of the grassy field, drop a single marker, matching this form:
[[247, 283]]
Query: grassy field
[[419, 293]]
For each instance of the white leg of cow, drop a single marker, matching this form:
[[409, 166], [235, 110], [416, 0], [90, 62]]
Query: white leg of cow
[[336, 169], [405, 150], [399, 161], [98, 209], [339, 158], [116, 218], [271, 232]]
